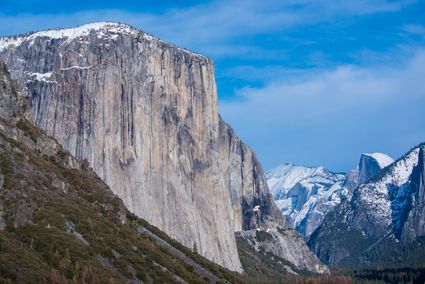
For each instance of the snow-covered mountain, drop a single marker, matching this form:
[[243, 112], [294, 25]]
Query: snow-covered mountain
[[307, 194], [385, 215]]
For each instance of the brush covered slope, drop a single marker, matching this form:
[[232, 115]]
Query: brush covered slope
[[383, 223], [143, 113], [60, 223]]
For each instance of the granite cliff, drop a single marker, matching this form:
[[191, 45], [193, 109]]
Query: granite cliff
[[60, 223], [143, 113]]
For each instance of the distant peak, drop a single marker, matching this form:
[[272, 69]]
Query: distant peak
[[382, 159], [292, 165]]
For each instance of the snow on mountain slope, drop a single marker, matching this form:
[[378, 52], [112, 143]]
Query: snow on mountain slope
[[69, 34], [383, 219], [305, 194], [101, 29], [385, 198]]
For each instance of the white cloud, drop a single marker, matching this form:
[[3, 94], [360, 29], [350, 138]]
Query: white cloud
[[380, 104]]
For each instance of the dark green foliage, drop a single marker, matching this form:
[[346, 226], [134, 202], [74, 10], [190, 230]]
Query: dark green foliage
[[263, 236], [388, 275], [32, 131]]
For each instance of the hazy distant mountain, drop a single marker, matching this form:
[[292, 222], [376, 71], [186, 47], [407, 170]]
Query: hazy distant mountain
[[307, 194]]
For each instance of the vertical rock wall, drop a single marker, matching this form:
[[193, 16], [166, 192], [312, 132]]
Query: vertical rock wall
[[144, 114]]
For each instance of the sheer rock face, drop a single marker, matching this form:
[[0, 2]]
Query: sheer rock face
[[144, 115], [371, 164], [414, 224], [247, 183], [12, 103]]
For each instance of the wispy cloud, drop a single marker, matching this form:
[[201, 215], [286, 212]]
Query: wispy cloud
[[316, 115], [214, 28], [308, 99], [414, 29]]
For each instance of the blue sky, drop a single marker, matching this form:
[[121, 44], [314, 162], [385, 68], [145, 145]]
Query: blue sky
[[313, 82]]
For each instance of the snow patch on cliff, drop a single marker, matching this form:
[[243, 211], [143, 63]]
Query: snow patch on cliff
[[382, 159], [76, 67], [10, 41], [42, 77], [84, 30], [109, 30]]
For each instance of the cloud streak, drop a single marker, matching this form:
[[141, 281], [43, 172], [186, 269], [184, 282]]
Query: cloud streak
[[323, 114], [214, 28]]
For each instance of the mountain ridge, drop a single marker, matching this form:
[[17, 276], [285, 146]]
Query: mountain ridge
[[307, 194], [384, 217]]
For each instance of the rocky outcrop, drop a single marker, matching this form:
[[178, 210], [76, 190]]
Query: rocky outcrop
[[143, 113], [286, 244], [352, 180], [12, 103], [413, 225], [249, 193]]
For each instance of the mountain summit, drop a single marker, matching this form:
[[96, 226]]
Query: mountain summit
[[371, 164]]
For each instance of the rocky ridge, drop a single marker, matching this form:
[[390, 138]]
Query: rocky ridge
[[286, 244], [306, 195], [384, 214]]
